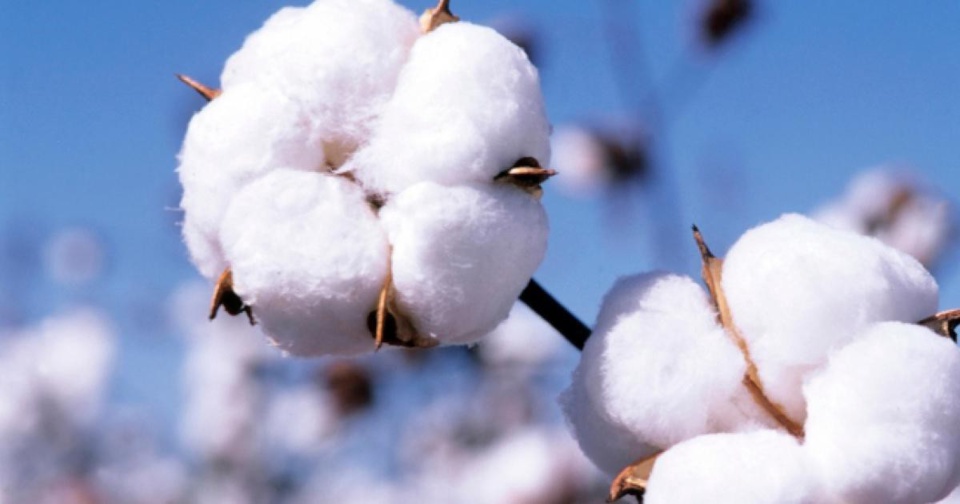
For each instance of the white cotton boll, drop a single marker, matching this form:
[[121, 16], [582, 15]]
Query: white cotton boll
[[462, 255], [75, 361], [338, 59], [883, 416], [953, 498], [580, 160], [238, 137], [467, 107], [299, 419], [659, 367], [543, 466], [308, 255], [799, 290], [524, 339], [762, 467]]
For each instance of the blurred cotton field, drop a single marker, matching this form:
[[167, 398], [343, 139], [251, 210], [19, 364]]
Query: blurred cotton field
[[350, 170]]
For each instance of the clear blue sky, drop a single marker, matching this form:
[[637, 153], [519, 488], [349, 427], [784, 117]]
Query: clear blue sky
[[91, 119]]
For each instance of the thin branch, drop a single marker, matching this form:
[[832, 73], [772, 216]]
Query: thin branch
[[555, 314]]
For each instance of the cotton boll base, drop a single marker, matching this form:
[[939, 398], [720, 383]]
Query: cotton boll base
[[462, 255], [799, 290], [308, 254], [883, 417]]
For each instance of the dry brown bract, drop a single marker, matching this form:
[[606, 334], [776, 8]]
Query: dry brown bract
[[439, 15], [205, 91], [224, 295]]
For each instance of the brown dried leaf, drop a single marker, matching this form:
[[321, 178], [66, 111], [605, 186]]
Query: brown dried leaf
[[205, 91], [632, 480], [944, 323], [712, 276], [224, 295], [389, 325], [439, 15]]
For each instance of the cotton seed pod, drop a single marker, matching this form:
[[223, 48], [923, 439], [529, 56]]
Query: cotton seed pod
[[467, 106], [799, 290], [308, 253], [883, 416], [462, 255], [659, 367], [238, 137]]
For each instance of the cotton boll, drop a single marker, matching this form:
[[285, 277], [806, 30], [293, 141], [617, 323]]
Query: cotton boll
[[762, 467], [580, 160], [238, 137], [799, 290], [882, 417], [308, 255], [338, 59], [659, 367], [462, 255], [467, 107]]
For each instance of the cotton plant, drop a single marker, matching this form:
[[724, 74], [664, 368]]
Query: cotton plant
[[364, 178], [53, 385], [813, 368], [897, 208]]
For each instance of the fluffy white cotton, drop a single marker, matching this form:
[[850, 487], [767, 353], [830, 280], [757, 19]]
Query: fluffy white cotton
[[462, 255], [882, 418], [898, 210], [338, 59], [762, 467], [799, 290], [467, 107], [658, 366], [240, 136], [308, 254]]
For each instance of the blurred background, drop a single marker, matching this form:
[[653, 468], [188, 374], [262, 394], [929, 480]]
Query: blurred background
[[725, 113]]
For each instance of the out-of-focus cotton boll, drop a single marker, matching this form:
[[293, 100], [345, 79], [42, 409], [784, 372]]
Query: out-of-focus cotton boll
[[242, 135], [75, 360], [762, 467], [580, 160], [883, 416], [660, 367], [953, 498], [524, 339], [338, 59], [544, 467], [74, 256], [299, 419], [898, 210], [308, 253], [799, 290], [222, 395], [467, 107], [462, 255]]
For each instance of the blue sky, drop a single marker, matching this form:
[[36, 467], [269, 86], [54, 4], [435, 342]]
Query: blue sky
[[91, 119]]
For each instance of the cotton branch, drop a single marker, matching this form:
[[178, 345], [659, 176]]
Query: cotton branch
[[555, 314]]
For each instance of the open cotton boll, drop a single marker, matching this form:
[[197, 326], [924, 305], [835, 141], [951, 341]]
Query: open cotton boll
[[338, 59], [462, 255], [308, 255], [761, 467], [467, 107], [883, 416], [579, 159], [659, 367], [243, 134], [799, 290]]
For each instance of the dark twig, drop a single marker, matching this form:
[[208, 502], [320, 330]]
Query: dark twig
[[555, 314]]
